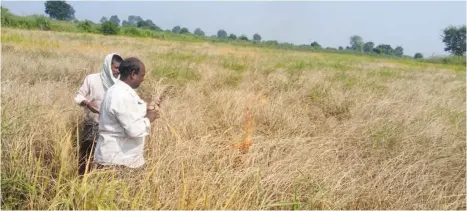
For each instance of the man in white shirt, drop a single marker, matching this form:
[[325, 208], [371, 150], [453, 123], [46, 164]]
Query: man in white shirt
[[124, 120], [89, 95]]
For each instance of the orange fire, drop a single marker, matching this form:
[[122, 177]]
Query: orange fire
[[245, 145]]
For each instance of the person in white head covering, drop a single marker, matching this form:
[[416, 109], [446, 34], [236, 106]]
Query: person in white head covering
[[109, 74], [89, 96]]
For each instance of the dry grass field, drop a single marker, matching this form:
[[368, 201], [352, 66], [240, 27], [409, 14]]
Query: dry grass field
[[243, 128]]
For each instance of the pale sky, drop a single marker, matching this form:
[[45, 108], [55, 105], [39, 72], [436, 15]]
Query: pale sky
[[416, 25]]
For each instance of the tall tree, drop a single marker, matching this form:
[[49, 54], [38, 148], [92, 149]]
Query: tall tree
[[222, 34], [257, 37], [243, 37], [383, 49], [6, 17], [368, 47], [184, 31], [103, 19], [418, 56], [315, 45], [199, 32], [356, 43], [115, 19], [177, 29], [125, 23], [454, 40], [133, 20], [399, 51], [233, 36], [147, 24], [59, 10]]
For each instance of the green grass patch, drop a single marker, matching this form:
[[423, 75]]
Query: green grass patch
[[280, 65], [318, 94], [15, 191], [13, 38], [385, 136], [235, 64], [300, 65], [176, 74], [233, 79], [384, 73], [297, 67], [177, 57], [343, 77], [339, 65], [376, 86], [19, 39]]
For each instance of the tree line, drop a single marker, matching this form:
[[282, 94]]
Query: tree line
[[139, 22], [453, 37]]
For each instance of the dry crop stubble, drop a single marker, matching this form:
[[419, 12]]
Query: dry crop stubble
[[325, 131]]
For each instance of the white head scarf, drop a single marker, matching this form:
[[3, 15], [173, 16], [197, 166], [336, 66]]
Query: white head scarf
[[107, 77]]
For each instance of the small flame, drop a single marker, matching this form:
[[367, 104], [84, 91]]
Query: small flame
[[245, 145]]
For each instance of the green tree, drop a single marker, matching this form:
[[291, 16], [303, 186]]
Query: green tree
[[184, 31], [368, 47], [356, 43], [257, 37], [383, 49], [341, 48], [148, 24], [59, 10], [243, 37], [133, 20], [315, 45], [233, 36], [85, 26], [115, 19], [222, 34], [454, 40], [199, 32], [177, 29], [399, 51], [7, 17], [125, 23], [109, 28], [43, 22], [271, 42], [418, 56], [103, 19]]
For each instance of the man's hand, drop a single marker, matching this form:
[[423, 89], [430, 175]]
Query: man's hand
[[153, 114], [155, 104], [93, 106]]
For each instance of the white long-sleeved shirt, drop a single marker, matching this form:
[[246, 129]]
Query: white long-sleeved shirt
[[122, 128], [90, 89]]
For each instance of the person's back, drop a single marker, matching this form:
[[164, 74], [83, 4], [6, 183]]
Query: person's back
[[122, 128], [124, 120]]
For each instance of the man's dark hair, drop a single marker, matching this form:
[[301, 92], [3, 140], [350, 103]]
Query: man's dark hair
[[128, 66], [116, 58]]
